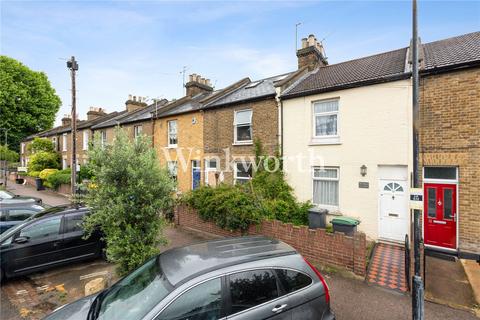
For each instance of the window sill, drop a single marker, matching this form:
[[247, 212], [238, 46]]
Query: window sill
[[332, 210], [246, 143], [324, 141], [172, 146]]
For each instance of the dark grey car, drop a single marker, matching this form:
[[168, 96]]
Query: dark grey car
[[237, 278]]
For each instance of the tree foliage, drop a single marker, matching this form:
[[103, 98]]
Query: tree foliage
[[129, 192], [28, 103], [7, 154], [41, 144], [44, 160]]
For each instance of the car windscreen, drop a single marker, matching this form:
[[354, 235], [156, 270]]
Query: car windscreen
[[6, 195], [136, 294]]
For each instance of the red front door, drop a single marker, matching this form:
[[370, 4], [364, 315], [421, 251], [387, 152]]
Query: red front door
[[440, 215]]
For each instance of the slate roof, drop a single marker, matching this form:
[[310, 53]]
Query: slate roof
[[189, 105], [452, 51], [388, 66], [265, 88], [379, 67]]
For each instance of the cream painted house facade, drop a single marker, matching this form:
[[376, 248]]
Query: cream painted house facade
[[373, 131]]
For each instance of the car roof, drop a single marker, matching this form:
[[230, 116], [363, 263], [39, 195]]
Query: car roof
[[63, 209], [185, 263]]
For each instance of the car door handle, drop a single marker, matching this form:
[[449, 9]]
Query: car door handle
[[56, 243], [279, 308]]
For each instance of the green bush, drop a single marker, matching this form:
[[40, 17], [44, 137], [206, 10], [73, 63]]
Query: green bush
[[266, 196], [85, 173], [57, 178], [43, 160], [33, 174], [41, 144], [7, 154], [45, 173]]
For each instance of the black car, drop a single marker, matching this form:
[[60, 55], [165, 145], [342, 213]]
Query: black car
[[16, 211], [49, 238]]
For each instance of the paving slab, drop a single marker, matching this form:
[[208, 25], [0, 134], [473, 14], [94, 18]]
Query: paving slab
[[446, 282]]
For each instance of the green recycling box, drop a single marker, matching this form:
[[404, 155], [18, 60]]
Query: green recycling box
[[346, 225]]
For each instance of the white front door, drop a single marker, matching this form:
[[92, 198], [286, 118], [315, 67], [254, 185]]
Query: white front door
[[393, 209]]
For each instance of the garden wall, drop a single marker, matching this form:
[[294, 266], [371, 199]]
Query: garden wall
[[317, 245]]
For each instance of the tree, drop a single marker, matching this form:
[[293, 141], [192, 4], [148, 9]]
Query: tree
[[28, 103], [128, 193], [41, 144], [43, 160], [7, 154]]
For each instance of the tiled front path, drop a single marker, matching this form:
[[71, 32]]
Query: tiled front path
[[387, 267]]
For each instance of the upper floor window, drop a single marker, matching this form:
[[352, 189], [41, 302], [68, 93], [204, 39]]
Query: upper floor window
[[243, 126], [22, 146], [55, 146], [325, 186], [85, 139], [103, 138], [137, 131], [325, 119], [64, 142], [172, 134]]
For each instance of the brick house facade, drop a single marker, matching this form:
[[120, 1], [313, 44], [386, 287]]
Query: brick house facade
[[450, 138]]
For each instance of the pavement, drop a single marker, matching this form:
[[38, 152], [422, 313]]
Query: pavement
[[472, 270], [49, 197], [447, 283]]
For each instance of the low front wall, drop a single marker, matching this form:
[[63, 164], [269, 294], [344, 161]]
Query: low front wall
[[317, 245]]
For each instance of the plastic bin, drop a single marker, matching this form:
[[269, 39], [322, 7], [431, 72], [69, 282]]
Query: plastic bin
[[346, 225], [39, 184], [317, 218]]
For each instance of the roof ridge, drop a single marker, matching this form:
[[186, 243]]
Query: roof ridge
[[451, 38]]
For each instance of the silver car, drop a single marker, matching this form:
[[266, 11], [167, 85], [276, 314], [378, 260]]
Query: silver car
[[236, 278]]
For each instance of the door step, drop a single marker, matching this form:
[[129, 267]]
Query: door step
[[441, 255], [392, 242]]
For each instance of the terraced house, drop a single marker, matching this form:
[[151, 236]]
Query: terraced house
[[350, 126]]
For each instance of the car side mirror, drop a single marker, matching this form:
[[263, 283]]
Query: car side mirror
[[21, 240]]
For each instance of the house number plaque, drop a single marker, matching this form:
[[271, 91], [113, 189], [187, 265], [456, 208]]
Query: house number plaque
[[363, 185]]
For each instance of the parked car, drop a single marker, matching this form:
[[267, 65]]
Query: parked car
[[13, 212], [236, 278], [49, 238], [7, 196]]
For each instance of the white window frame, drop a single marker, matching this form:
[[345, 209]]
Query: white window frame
[[64, 163], [325, 139], [103, 138], [85, 139], [64, 142], [54, 140], [137, 131], [170, 134], [242, 124], [321, 205], [172, 167], [236, 177], [209, 169], [22, 146]]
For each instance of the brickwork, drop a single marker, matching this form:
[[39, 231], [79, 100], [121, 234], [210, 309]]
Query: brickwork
[[189, 146], [218, 132], [317, 245], [450, 136]]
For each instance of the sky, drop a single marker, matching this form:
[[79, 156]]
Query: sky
[[141, 47]]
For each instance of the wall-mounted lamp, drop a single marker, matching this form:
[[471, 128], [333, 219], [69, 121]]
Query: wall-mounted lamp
[[363, 170]]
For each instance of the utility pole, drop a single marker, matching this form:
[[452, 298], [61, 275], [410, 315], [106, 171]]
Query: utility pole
[[417, 288], [73, 66]]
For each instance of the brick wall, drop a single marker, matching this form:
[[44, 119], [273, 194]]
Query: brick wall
[[450, 136], [218, 132], [317, 245]]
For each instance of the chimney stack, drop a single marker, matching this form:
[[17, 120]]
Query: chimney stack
[[197, 84], [66, 120], [95, 113], [134, 104], [312, 54]]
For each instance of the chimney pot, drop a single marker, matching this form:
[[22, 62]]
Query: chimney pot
[[311, 54], [304, 43], [129, 97], [190, 77]]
